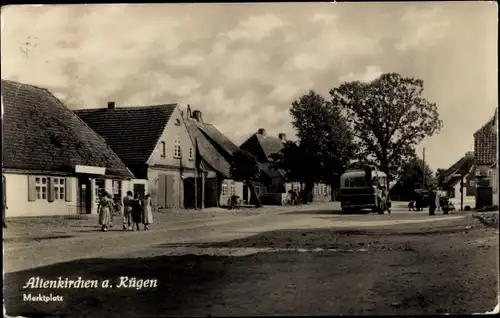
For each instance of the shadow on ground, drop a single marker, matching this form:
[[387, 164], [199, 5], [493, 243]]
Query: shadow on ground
[[324, 212], [412, 274]]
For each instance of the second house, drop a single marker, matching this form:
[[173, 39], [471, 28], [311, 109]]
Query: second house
[[154, 143]]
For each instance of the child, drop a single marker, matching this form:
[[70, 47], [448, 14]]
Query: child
[[411, 205]]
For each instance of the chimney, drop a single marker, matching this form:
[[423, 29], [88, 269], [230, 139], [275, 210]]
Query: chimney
[[111, 105], [261, 131], [197, 116], [189, 115], [282, 137]]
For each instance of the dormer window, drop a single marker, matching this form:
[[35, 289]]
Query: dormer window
[[177, 122]]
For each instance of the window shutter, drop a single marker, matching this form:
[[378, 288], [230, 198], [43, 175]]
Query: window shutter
[[68, 183], [31, 189], [50, 189]]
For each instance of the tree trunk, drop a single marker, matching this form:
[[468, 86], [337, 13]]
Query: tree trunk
[[253, 194]]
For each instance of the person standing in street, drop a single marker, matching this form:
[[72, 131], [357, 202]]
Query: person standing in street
[[136, 211], [104, 208], [127, 211], [147, 211]]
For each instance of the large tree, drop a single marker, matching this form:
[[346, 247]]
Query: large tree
[[245, 168], [324, 137], [296, 162], [389, 117]]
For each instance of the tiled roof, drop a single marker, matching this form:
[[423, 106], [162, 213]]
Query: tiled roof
[[463, 166], [262, 146], [485, 143], [266, 168], [207, 150], [40, 133], [132, 132], [218, 138]]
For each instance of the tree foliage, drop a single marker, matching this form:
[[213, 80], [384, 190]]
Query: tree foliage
[[413, 173], [411, 177], [296, 162], [245, 168], [325, 140], [389, 118]]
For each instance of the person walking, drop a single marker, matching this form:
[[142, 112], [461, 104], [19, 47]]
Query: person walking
[[136, 211], [104, 208], [147, 211], [432, 202], [127, 211]]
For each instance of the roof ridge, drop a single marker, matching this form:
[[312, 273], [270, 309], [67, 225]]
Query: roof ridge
[[128, 108], [85, 124]]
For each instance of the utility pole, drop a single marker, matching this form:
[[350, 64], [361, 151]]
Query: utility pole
[[423, 168]]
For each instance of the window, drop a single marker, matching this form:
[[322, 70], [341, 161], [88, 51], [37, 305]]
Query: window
[[177, 122], [355, 182], [99, 184], [41, 188], [59, 189], [177, 148], [472, 183], [191, 156], [232, 189], [163, 149], [117, 190], [224, 189]]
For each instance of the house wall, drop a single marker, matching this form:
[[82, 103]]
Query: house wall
[[174, 191], [229, 188], [171, 133], [16, 187]]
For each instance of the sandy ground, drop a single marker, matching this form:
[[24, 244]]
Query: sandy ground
[[294, 261]]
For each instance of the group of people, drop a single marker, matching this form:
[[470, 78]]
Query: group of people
[[136, 210]]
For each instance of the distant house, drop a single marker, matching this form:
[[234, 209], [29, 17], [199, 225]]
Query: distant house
[[272, 181], [453, 175], [51, 158], [486, 159], [154, 143], [215, 152]]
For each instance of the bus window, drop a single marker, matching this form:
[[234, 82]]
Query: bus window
[[355, 182]]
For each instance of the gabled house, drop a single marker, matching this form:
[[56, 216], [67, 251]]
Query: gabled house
[[273, 182], [50, 157], [452, 177], [154, 143], [486, 160], [214, 155]]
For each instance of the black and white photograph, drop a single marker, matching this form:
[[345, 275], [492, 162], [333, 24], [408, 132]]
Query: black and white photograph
[[250, 159]]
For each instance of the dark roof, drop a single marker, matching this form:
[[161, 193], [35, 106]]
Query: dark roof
[[266, 168], [40, 133], [132, 132], [485, 142], [218, 138], [262, 146], [463, 165], [206, 149]]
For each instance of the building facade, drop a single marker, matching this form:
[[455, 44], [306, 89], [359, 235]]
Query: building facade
[[154, 143], [51, 159]]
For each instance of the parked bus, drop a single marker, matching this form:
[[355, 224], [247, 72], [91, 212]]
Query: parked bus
[[364, 189]]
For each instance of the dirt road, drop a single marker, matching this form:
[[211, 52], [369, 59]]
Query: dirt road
[[286, 262]]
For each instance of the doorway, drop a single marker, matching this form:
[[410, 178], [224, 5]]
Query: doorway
[[84, 196], [140, 188]]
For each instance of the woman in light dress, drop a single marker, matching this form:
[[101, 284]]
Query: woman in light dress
[[104, 208], [147, 211]]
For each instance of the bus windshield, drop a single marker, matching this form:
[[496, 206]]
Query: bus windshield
[[355, 182]]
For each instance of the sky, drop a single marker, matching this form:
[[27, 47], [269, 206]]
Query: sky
[[243, 65]]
